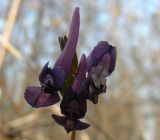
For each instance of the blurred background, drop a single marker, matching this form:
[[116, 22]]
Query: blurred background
[[29, 31]]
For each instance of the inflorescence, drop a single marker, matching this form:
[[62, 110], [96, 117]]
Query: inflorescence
[[76, 83]]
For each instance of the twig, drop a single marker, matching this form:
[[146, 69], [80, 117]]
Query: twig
[[7, 31], [8, 46]]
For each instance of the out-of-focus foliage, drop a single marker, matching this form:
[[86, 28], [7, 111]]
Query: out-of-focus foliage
[[130, 108]]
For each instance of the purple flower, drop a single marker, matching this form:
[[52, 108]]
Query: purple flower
[[65, 59], [52, 79], [73, 105], [100, 64]]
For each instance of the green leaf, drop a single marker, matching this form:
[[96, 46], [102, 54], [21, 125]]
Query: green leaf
[[62, 41], [69, 80]]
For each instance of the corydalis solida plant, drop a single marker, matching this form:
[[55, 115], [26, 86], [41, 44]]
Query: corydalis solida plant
[[87, 84]]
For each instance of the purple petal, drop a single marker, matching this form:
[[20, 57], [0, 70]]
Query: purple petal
[[93, 91], [107, 64], [113, 60], [59, 119], [67, 98], [94, 98], [82, 104], [67, 55], [44, 72], [37, 98], [59, 77], [81, 75], [102, 89], [81, 125], [69, 124], [97, 53]]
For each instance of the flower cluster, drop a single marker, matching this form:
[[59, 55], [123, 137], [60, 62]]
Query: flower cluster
[[76, 83]]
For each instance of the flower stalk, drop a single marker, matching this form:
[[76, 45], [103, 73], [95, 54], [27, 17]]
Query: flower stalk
[[73, 135]]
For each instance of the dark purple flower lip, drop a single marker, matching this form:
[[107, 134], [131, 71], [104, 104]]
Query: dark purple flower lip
[[70, 124]]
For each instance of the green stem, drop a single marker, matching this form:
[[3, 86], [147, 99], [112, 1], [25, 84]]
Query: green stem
[[73, 135]]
